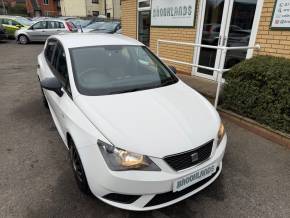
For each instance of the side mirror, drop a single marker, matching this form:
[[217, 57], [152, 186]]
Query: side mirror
[[173, 69], [52, 84]]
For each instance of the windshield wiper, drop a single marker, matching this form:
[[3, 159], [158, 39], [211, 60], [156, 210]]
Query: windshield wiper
[[167, 82], [127, 90]]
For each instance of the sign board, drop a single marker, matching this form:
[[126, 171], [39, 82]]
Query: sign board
[[173, 13], [281, 15]]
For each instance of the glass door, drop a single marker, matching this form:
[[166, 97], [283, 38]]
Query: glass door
[[144, 21], [239, 31], [211, 34], [224, 23]]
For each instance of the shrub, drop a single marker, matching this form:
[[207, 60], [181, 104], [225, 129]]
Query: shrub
[[259, 88]]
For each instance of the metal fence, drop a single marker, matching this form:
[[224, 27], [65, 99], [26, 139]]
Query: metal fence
[[220, 70]]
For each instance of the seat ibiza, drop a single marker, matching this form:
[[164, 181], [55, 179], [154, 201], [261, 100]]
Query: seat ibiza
[[138, 137]]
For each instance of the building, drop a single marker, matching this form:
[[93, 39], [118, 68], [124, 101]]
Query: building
[[209, 22], [13, 7], [36, 8], [84, 8], [73, 8]]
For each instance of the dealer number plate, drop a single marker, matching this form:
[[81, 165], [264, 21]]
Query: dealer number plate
[[193, 178]]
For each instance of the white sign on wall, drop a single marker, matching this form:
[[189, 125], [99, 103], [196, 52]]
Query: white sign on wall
[[281, 14], [177, 13]]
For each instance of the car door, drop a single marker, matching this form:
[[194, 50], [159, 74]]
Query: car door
[[60, 104], [52, 28], [61, 27], [37, 32], [10, 26]]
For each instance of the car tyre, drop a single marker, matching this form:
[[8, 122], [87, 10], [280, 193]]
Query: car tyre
[[78, 170], [44, 101], [22, 39]]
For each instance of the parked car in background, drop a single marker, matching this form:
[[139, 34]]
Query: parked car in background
[[66, 17], [3, 34], [40, 18], [13, 23], [80, 22], [98, 88], [41, 30], [104, 27]]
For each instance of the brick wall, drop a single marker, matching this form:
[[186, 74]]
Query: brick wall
[[273, 42], [175, 52], [129, 18], [51, 8]]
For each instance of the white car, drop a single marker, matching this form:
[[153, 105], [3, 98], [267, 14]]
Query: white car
[[139, 138]]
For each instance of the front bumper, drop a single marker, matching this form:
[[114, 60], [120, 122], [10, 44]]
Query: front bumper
[[143, 190]]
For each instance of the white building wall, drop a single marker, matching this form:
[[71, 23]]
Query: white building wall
[[73, 8]]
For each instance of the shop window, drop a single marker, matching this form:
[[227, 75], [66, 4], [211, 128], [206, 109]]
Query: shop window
[[144, 4], [144, 23]]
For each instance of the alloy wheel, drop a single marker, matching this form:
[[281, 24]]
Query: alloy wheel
[[23, 40]]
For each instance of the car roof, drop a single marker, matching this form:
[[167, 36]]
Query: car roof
[[10, 17], [74, 40], [49, 19]]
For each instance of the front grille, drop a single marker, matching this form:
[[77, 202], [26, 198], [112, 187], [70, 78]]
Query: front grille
[[189, 158], [170, 196], [120, 198]]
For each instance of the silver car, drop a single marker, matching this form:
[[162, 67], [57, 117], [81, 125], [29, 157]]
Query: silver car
[[41, 30]]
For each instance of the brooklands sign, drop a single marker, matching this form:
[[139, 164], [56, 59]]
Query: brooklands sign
[[179, 13]]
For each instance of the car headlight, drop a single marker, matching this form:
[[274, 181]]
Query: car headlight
[[120, 160], [221, 133]]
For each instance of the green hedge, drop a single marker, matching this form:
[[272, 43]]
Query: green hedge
[[259, 88]]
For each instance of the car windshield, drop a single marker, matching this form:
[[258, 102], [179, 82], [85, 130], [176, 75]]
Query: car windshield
[[108, 26], [23, 21], [80, 22], [113, 69]]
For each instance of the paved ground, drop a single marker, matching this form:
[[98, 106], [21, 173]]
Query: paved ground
[[36, 180]]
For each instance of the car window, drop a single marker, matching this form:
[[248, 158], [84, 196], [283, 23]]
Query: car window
[[40, 25], [112, 69], [24, 21], [5, 21], [14, 23], [9, 22], [51, 44], [52, 25], [61, 25], [60, 66]]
